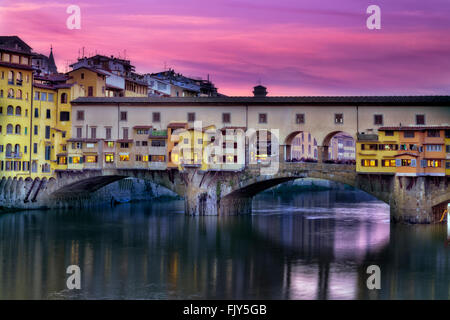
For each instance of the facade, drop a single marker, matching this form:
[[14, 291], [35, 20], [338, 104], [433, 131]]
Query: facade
[[304, 146], [405, 151]]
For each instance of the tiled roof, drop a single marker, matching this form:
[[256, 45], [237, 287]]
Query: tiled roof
[[301, 100]]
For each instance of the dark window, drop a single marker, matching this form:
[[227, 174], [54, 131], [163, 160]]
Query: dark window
[[90, 91], [389, 133], [300, 118], [433, 133], [35, 147], [447, 133], [64, 98], [156, 117], [108, 133], [191, 116], [125, 133], [93, 132], [79, 133], [226, 117], [36, 112], [262, 118], [47, 152], [378, 119], [48, 114], [123, 116], [35, 130], [408, 134], [47, 132], [82, 75], [64, 116], [420, 119], [339, 118], [158, 143], [80, 115]]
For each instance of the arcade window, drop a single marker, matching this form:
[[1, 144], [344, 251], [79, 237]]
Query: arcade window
[[300, 118], [378, 119], [420, 119], [262, 118]]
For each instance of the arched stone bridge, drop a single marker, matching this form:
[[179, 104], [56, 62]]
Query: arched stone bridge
[[411, 199]]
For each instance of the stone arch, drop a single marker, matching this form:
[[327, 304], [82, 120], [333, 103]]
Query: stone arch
[[307, 145], [325, 145]]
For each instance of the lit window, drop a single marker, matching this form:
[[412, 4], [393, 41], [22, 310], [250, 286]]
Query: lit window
[[124, 157], [109, 157], [91, 159]]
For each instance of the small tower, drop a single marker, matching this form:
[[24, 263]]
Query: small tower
[[51, 62], [260, 91]]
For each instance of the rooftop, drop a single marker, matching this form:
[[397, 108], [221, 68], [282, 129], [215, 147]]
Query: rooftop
[[285, 100]]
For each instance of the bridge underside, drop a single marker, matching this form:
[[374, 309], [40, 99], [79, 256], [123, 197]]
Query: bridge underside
[[411, 199]]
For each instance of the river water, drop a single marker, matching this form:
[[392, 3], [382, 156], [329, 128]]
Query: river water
[[303, 245]]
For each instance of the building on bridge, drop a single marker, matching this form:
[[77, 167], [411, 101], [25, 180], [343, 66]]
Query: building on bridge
[[405, 151]]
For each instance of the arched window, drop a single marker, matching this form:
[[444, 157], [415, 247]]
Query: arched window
[[10, 111], [10, 77], [19, 94], [9, 150], [19, 78], [64, 98], [18, 111], [10, 93], [17, 149], [17, 131], [9, 129]]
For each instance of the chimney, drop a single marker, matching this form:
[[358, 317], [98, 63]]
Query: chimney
[[260, 91]]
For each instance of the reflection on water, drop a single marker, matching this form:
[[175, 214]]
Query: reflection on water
[[310, 245]]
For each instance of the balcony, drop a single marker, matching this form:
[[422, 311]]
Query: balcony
[[158, 134], [13, 155], [367, 137]]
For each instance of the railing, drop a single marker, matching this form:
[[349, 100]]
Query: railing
[[13, 155]]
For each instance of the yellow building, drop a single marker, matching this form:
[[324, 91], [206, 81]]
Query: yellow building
[[405, 151], [16, 78]]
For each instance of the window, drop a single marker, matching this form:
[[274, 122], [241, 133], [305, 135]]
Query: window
[[18, 111], [405, 162], [36, 112], [109, 157], [125, 133], [11, 93], [408, 134], [262, 118], [43, 96], [62, 160], [36, 130], [369, 147], [37, 95], [82, 75], [47, 132], [35, 148], [64, 98], [434, 163], [10, 77], [226, 117], [433, 133], [90, 91], [447, 148], [157, 158], [108, 133], [124, 145], [10, 111], [64, 116], [144, 143], [158, 143], [447, 133], [378, 119], [79, 132], [9, 129], [80, 115], [124, 157], [156, 117], [338, 118], [300, 118], [434, 147], [123, 116], [369, 163], [48, 114], [93, 132], [389, 133], [17, 130], [420, 119], [47, 152], [388, 147], [77, 145], [388, 163], [51, 97], [76, 160], [91, 159], [110, 144], [191, 116], [138, 143], [19, 94]]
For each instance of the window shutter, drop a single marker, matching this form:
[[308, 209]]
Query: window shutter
[[413, 162], [70, 159], [398, 162]]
